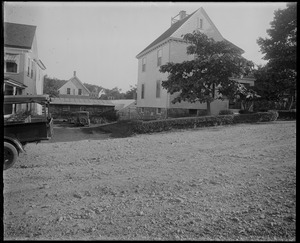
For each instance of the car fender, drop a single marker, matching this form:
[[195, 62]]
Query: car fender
[[16, 143]]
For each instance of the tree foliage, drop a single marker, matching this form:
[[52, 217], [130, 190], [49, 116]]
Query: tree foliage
[[215, 63], [51, 86], [92, 87], [277, 79], [131, 94], [280, 48], [114, 94]]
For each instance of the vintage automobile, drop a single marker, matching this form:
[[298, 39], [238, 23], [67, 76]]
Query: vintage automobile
[[80, 118], [21, 127]]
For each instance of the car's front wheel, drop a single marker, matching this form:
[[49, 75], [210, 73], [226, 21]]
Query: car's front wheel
[[10, 155]]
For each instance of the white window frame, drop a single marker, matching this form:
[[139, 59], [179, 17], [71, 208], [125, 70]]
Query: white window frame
[[17, 62], [200, 23], [159, 57], [143, 91], [158, 91], [31, 70], [158, 110], [144, 62]]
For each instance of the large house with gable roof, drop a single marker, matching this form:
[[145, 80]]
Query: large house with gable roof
[[23, 70], [152, 100]]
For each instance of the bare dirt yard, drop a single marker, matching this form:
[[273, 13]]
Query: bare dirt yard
[[219, 183]]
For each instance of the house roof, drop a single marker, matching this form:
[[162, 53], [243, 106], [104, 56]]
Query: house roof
[[74, 96], [18, 35], [168, 33], [80, 101]]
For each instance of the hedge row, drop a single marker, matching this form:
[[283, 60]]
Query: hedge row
[[287, 115], [205, 121]]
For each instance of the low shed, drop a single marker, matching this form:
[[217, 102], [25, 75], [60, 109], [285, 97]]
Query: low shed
[[61, 107]]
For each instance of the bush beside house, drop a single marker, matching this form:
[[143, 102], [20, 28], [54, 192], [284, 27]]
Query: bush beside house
[[205, 121]]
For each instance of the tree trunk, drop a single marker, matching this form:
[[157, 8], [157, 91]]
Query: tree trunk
[[251, 107], [242, 105], [291, 104], [208, 108]]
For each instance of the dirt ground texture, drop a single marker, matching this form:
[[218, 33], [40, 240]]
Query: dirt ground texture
[[219, 183]]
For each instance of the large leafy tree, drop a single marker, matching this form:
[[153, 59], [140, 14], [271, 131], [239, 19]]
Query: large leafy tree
[[277, 79], [51, 86], [131, 94], [215, 63]]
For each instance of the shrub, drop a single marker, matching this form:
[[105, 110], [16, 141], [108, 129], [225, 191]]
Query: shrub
[[106, 116], [287, 114], [177, 123], [256, 117], [193, 122], [226, 112], [246, 112]]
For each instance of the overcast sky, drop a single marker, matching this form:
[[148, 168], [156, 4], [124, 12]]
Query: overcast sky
[[100, 40]]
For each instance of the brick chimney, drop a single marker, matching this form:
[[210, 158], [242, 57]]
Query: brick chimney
[[74, 73], [182, 14]]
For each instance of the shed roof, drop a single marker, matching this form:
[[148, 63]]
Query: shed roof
[[22, 99], [18, 35], [80, 101], [121, 104]]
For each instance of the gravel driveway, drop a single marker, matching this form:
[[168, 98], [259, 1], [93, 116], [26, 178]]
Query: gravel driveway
[[220, 183]]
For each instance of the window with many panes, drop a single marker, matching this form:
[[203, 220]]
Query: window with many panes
[[143, 91], [144, 64], [12, 62], [159, 56], [79, 91], [31, 74], [158, 85], [68, 91], [200, 23], [66, 108]]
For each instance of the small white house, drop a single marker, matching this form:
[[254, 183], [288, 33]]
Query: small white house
[[74, 87]]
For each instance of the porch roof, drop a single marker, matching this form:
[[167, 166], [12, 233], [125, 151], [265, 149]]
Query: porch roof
[[14, 83]]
